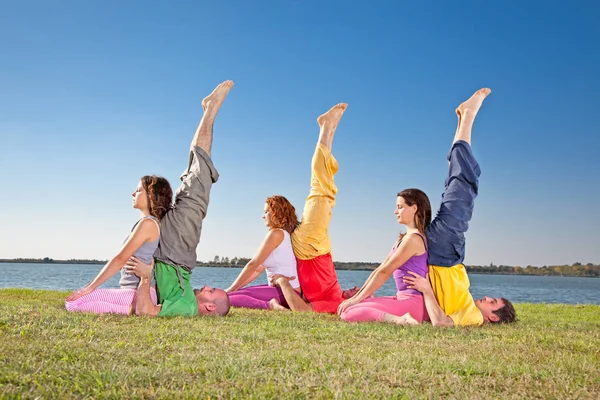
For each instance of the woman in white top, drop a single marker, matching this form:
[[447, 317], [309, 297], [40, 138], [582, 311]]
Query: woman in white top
[[275, 255]]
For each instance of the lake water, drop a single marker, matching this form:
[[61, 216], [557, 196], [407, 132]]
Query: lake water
[[520, 289]]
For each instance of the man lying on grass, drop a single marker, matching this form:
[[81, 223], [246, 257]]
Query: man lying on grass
[[180, 229], [446, 292], [448, 301]]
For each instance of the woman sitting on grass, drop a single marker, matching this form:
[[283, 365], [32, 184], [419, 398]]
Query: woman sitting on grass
[[275, 255], [153, 197], [409, 254]]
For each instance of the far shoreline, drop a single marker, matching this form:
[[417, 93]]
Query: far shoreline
[[577, 270]]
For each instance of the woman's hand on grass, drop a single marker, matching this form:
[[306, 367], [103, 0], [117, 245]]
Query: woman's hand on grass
[[80, 293], [135, 266]]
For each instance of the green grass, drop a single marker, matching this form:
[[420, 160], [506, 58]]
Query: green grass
[[553, 352]]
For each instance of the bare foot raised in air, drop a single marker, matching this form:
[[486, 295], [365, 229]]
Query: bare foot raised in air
[[332, 117], [329, 122], [472, 105], [213, 101], [274, 305], [466, 113]]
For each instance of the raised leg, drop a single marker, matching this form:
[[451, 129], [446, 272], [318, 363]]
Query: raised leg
[[311, 238], [211, 105], [181, 226], [466, 113], [328, 123], [446, 234]]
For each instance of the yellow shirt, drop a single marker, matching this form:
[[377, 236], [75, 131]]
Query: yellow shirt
[[451, 288]]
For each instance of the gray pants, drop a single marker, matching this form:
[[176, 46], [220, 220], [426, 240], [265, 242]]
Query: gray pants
[[180, 228]]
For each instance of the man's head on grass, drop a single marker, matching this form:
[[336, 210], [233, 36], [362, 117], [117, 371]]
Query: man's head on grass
[[212, 301], [496, 309]]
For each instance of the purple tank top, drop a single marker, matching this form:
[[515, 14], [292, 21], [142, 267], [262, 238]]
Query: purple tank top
[[417, 264]]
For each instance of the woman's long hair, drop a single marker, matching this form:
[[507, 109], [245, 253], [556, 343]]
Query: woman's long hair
[[423, 214], [283, 213], [160, 195]]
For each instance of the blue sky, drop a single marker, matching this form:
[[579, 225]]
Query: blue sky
[[96, 94]]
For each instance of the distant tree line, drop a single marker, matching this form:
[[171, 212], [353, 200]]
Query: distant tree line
[[224, 262], [47, 260], [576, 269]]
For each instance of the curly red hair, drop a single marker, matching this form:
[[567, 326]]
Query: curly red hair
[[160, 195], [283, 213]]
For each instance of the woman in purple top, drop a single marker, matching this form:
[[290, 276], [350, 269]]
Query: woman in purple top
[[408, 254]]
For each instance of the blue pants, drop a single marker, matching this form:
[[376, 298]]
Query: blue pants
[[446, 234]]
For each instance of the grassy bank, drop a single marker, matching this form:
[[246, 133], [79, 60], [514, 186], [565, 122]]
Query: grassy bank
[[553, 352]]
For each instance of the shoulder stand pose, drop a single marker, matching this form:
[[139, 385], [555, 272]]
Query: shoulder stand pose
[[310, 241], [175, 256], [446, 293]]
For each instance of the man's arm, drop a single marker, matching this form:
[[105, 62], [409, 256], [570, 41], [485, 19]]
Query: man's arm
[[437, 316], [295, 302], [143, 304]]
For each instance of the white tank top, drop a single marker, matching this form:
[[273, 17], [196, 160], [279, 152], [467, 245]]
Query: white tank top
[[282, 261]]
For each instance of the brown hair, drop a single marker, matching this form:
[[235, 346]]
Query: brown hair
[[159, 195], [507, 314], [283, 213], [423, 214]]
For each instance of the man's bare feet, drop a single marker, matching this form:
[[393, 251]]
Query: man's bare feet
[[210, 104], [472, 105], [333, 116], [274, 305], [466, 113], [329, 122], [213, 101]]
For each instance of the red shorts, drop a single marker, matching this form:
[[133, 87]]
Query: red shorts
[[319, 283]]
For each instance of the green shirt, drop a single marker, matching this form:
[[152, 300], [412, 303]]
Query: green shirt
[[173, 299]]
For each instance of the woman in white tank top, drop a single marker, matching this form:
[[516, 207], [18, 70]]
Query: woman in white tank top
[[275, 255]]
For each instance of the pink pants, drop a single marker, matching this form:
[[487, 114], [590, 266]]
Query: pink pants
[[257, 297], [105, 301], [372, 309]]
